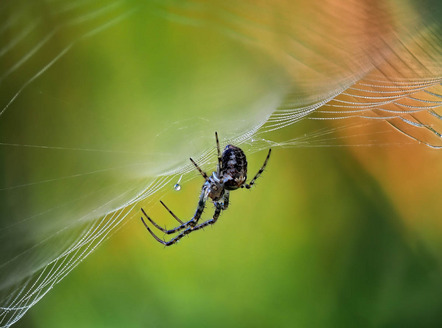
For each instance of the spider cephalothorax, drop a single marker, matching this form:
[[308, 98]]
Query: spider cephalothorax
[[231, 174]]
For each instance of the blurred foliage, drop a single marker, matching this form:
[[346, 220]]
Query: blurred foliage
[[317, 243], [341, 236]]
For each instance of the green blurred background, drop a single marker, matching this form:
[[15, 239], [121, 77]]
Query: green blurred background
[[329, 237], [317, 243]]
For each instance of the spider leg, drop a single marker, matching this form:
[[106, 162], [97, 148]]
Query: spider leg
[[151, 221], [191, 223], [189, 229], [209, 222], [252, 182], [199, 169], [148, 229], [171, 213], [220, 163], [225, 203], [158, 226]]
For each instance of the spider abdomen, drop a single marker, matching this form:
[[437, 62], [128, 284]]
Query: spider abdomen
[[234, 167]]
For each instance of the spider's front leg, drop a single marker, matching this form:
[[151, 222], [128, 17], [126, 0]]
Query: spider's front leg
[[220, 162], [190, 229]]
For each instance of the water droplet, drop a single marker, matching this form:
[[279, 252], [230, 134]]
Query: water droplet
[[177, 187]]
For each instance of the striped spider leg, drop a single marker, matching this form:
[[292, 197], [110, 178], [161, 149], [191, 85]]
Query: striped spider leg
[[231, 174]]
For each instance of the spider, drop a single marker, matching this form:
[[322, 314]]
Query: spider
[[231, 174]]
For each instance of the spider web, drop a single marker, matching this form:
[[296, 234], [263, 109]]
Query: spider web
[[85, 84]]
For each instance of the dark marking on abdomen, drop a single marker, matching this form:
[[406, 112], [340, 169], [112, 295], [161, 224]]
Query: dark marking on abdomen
[[234, 164]]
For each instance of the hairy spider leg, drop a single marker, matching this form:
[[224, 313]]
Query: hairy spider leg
[[171, 213], [151, 221], [191, 223], [200, 171], [220, 163], [148, 229], [252, 182], [190, 229], [225, 203]]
